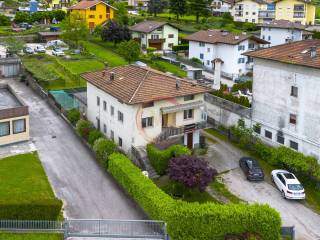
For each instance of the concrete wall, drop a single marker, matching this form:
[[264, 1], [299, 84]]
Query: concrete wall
[[14, 138], [130, 130], [273, 103], [279, 35]]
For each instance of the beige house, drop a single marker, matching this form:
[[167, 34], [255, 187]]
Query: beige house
[[14, 117]]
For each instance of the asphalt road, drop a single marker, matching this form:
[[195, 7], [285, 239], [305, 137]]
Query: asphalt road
[[224, 157], [86, 190]]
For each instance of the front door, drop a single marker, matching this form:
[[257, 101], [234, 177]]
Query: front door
[[165, 120], [190, 140]]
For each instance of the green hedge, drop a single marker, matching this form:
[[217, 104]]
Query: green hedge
[[281, 157], [38, 210], [180, 47], [103, 148], [160, 158], [193, 220], [73, 116]]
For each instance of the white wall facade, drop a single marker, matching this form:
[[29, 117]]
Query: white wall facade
[[220, 6], [246, 11], [272, 104], [130, 130], [234, 63], [277, 36]]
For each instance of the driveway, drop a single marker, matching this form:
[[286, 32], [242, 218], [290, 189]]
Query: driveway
[[86, 190], [224, 157]]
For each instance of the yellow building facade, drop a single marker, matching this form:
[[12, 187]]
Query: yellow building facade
[[93, 12], [296, 11]]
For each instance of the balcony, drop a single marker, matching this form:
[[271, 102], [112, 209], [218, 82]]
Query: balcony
[[159, 40], [267, 14], [298, 15]]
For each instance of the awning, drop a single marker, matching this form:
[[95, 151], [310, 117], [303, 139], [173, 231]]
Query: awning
[[182, 107]]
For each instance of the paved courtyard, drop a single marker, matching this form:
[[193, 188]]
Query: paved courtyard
[[86, 190], [224, 157]]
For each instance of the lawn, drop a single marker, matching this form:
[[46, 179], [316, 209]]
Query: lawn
[[222, 190], [81, 66], [106, 55], [164, 66], [30, 236], [22, 178], [190, 196], [312, 194]]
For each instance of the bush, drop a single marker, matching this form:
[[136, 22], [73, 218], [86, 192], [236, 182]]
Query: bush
[[151, 50], [84, 128], [73, 116], [93, 136], [103, 148], [180, 47], [189, 221], [160, 158], [196, 60], [37, 210]]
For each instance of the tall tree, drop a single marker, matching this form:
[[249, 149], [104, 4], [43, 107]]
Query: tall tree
[[121, 15], [156, 6], [115, 33], [178, 7], [129, 50], [14, 46], [74, 29], [199, 8]]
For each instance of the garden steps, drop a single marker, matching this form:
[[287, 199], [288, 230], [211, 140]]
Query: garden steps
[[143, 157]]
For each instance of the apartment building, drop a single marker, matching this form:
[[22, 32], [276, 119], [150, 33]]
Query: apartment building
[[253, 11], [159, 35], [219, 7], [286, 86], [283, 31], [215, 47], [14, 117], [136, 105], [94, 12]]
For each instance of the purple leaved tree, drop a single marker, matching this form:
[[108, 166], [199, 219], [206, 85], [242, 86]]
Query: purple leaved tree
[[191, 171]]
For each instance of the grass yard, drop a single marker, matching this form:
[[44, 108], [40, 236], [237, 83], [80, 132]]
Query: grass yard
[[164, 66], [222, 190], [106, 55], [81, 66], [22, 178], [190, 196], [30, 236]]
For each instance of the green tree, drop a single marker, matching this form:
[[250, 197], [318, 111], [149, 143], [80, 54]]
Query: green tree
[[156, 6], [4, 20], [178, 7], [21, 17], [199, 8], [14, 46], [121, 15], [130, 50], [115, 33], [74, 29]]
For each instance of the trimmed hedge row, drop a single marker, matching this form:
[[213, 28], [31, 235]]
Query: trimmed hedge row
[[160, 158], [40, 210], [193, 220], [281, 157], [180, 47]]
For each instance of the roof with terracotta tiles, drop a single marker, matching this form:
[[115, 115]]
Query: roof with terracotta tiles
[[134, 84], [215, 36], [85, 4], [298, 53], [148, 26]]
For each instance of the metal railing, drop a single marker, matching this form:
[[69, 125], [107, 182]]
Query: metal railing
[[147, 229]]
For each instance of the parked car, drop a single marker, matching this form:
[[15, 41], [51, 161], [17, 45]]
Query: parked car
[[57, 52], [288, 184], [25, 25], [251, 169], [57, 43], [28, 50], [40, 49]]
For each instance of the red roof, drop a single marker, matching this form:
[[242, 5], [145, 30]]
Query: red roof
[[85, 4]]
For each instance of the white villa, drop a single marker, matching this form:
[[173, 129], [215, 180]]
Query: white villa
[[218, 47], [135, 105], [219, 7], [286, 89], [159, 35], [283, 31]]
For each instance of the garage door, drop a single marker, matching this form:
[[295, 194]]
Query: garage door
[[158, 46]]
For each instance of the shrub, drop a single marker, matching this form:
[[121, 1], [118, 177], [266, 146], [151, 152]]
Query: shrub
[[151, 50], [189, 221], [38, 210], [191, 171], [93, 136], [103, 148], [83, 128], [180, 47], [196, 60], [73, 116], [160, 158]]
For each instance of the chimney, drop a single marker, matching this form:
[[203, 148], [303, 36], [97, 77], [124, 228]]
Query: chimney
[[177, 83], [112, 76], [103, 73], [313, 52]]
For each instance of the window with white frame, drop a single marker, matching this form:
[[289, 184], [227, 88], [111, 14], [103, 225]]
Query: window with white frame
[[120, 142], [111, 110], [202, 44], [241, 60], [188, 114], [201, 56], [4, 129], [19, 126], [104, 105], [120, 116], [241, 47], [98, 101], [147, 122]]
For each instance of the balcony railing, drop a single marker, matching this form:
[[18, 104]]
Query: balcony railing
[[298, 15], [159, 40], [266, 14]]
